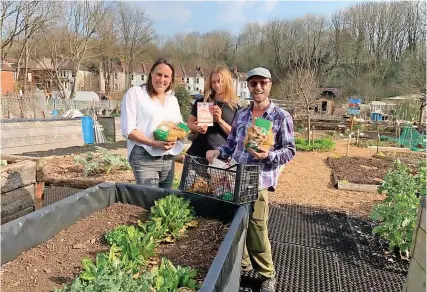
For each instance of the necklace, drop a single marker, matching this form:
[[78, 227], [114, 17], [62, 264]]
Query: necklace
[[223, 104]]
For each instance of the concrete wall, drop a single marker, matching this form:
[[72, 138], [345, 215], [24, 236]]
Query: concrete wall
[[21, 137], [416, 280]]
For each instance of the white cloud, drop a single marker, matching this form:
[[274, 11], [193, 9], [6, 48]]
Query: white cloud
[[270, 5], [233, 12], [167, 11]]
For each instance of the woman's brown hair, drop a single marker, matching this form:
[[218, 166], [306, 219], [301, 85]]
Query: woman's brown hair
[[150, 90], [229, 94]]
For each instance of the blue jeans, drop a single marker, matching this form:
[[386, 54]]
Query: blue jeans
[[152, 170]]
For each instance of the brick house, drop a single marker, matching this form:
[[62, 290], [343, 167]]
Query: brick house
[[7, 78]]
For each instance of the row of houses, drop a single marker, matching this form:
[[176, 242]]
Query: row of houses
[[38, 74]]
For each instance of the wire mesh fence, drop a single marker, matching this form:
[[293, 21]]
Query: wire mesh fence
[[53, 194], [33, 107]]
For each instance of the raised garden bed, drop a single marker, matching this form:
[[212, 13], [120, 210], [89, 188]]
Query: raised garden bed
[[20, 136], [410, 158], [57, 259], [358, 173], [22, 184]]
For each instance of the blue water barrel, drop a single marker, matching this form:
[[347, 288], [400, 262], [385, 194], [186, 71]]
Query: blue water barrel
[[55, 113], [88, 132]]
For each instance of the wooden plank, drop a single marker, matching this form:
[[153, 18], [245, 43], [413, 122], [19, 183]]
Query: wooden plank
[[357, 187], [383, 148], [41, 147], [47, 124], [420, 248], [17, 175], [16, 215], [17, 200], [416, 280], [11, 142], [34, 132]]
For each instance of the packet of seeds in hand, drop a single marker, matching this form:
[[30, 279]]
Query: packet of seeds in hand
[[260, 134], [204, 114]]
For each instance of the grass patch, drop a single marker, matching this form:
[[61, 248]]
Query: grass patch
[[321, 144]]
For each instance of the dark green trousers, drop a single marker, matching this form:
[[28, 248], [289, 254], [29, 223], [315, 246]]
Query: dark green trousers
[[258, 248]]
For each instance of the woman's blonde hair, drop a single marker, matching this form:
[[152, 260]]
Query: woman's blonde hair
[[230, 97]]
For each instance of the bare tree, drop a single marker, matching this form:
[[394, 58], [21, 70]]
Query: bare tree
[[12, 23], [135, 34]]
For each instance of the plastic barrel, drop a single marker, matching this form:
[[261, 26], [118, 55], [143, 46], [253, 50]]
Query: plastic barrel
[[88, 132], [55, 113]]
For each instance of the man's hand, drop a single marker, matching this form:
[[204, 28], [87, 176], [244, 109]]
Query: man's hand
[[211, 155], [260, 155], [163, 145], [217, 112]]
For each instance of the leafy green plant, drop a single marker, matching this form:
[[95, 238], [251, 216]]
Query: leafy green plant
[[122, 269], [101, 161], [170, 278], [397, 214], [321, 144], [170, 217]]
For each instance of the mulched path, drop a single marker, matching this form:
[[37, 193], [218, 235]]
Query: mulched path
[[58, 260], [360, 170]]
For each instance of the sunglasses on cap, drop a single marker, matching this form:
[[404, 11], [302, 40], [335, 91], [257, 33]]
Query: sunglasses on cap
[[254, 83]]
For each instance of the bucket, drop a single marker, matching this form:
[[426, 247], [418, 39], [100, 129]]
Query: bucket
[[55, 113], [88, 132]]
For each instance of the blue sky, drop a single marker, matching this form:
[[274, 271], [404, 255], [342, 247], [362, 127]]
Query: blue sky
[[172, 17]]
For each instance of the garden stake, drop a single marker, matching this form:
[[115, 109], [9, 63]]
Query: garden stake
[[357, 137], [378, 143], [348, 145]]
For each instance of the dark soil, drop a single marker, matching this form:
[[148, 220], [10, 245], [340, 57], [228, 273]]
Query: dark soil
[[58, 260], [360, 170], [412, 159], [76, 149]]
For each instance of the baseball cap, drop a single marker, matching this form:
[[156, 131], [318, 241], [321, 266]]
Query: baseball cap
[[259, 71]]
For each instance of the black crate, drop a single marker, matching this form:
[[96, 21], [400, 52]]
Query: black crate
[[237, 184]]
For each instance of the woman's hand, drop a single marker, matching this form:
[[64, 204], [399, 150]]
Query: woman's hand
[[163, 145], [217, 112], [202, 129]]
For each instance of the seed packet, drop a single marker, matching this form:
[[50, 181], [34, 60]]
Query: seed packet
[[170, 132], [260, 134], [204, 114]]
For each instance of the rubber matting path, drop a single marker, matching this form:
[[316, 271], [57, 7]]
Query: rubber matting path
[[319, 251]]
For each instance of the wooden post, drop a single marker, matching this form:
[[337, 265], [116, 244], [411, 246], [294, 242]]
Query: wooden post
[[351, 122], [378, 143], [312, 133], [348, 145], [357, 137]]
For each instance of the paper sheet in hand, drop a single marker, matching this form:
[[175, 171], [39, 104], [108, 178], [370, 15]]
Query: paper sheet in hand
[[204, 114]]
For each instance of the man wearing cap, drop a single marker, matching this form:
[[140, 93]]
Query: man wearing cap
[[258, 248]]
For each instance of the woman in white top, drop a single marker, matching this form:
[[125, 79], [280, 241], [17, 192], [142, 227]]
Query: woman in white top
[[142, 110]]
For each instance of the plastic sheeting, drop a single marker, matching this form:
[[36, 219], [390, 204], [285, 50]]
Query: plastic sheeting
[[35, 228]]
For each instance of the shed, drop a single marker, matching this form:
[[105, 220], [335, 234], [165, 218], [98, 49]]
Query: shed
[[324, 106]]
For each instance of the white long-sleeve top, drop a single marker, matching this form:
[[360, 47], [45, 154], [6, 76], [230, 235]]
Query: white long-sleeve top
[[140, 111]]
